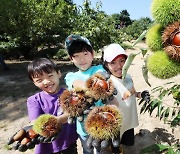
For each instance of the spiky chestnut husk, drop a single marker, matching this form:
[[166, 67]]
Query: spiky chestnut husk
[[75, 101], [165, 11], [46, 125], [171, 40], [173, 52], [99, 88], [104, 122], [153, 37], [161, 66]]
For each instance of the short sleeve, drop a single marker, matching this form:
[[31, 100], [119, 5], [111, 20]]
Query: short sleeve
[[34, 109], [69, 79], [99, 68]]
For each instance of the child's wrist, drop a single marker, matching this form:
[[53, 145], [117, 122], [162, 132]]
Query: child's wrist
[[138, 94]]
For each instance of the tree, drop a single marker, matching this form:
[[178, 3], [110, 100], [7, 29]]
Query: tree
[[137, 27], [94, 24], [32, 23], [122, 19]]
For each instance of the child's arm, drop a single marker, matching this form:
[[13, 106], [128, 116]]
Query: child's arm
[[73, 81], [126, 95], [79, 83], [144, 95], [137, 94], [63, 118]]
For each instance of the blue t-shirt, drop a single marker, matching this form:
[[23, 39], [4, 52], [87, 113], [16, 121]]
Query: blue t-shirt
[[43, 103], [83, 75]]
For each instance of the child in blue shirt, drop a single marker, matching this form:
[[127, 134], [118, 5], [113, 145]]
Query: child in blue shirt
[[81, 54]]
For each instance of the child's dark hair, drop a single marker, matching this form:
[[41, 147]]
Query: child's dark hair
[[79, 46], [40, 66]]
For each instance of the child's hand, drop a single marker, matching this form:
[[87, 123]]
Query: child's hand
[[48, 126], [43, 139], [103, 126], [126, 95], [76, 103], [79, 84], [102, 144], [145, 96], [24, 139], [72, 120]]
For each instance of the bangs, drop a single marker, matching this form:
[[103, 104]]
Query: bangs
[[38, 71], [79, 46], [40, 66], [121, 55]]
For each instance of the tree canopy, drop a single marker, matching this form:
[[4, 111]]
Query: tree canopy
[[30, 25]]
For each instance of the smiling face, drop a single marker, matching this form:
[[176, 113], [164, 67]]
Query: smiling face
[[116, 65], [83, 60], [48, 82]]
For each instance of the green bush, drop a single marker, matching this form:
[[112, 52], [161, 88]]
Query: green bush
[[61, 54], [134, 30]]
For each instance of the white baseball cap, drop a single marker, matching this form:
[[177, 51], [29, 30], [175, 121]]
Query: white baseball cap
[[112, 51]]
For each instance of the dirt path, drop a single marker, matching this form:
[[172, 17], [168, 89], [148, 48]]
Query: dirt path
[[16, 87]]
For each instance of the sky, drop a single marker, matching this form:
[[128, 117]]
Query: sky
[[136, 8]]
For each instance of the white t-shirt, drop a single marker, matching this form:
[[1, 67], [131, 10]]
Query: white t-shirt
[[128, 106]]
